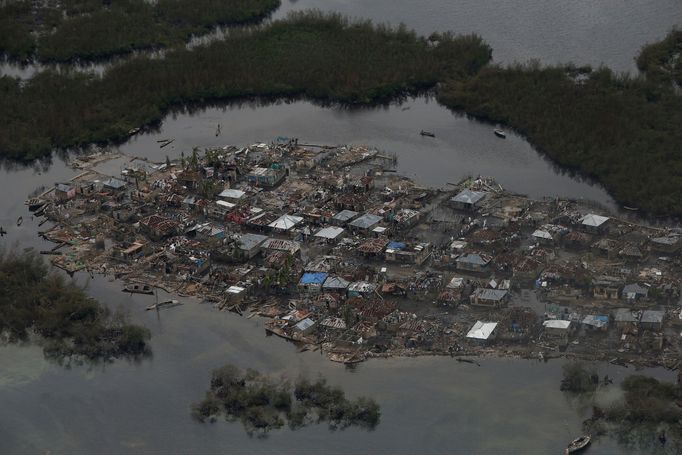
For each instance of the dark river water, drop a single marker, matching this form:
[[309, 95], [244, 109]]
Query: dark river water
[[429, 405]]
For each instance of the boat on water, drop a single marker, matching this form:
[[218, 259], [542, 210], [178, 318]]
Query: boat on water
[[138, 289], [633, 209], [347, 358], [134, 131], [500, 133], [578, 444], [20, 220], [427, 133], [35, 203], [164, 304]]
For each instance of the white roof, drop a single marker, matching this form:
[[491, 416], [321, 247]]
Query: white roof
[[482, 330], [593, 220], [235, 290], [541, 234], [456, 282], [231, 193], [285, 222], [331, 232], [557, 324], [467, 196], [458, 244], [225, 204]]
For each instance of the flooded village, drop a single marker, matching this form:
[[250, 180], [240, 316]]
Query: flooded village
[[342, 254]]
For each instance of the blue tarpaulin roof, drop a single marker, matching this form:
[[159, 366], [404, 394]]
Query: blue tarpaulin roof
[[313, 278], [396, 245]]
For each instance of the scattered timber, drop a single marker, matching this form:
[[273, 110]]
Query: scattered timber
[[459, 359], [35, 203], [164, 304]]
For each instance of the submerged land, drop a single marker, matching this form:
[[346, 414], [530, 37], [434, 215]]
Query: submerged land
[[339, 253], [644, 412]]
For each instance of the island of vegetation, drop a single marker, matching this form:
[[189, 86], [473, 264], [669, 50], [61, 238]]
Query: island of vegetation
[[71, 327], [262, 403], [645, 414], [87, 30], [345, 61]]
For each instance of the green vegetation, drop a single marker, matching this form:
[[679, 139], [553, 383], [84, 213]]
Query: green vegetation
[[90, 30], [262, 404], [322, 57], [578, 379], [621, 131], [648, 415], [71, 326], [662, 61], [648, 412]]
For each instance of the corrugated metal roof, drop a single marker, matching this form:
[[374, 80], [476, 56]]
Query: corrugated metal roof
[[482, 330], [366, 221], [467, 196], [330, 232]]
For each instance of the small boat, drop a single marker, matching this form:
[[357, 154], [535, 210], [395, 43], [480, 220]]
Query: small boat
[[134, 131], [578, 444], [41, 211], [3, 232], [500, 133], [166, 143], [427, 133], [35, 203], [634, 209], [165, 304], [347, 358], [20, 220], [139, 289]]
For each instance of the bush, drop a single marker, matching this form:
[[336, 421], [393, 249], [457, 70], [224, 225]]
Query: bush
[[72, 326], [262, 404]]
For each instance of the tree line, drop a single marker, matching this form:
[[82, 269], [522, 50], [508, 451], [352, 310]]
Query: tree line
[[622, 131], [322, 57], [89, 30]]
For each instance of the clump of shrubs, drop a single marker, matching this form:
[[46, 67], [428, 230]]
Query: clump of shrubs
[[262, 403]]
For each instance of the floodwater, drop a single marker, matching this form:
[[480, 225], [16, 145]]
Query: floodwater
[[593, 32], [429, 405], [461, 148]]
